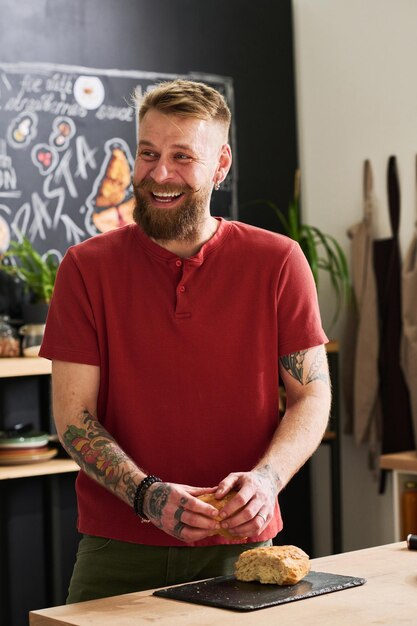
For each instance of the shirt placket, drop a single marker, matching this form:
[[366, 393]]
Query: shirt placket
[[183, 309]]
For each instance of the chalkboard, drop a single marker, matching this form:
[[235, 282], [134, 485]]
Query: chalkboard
[[64, 131]]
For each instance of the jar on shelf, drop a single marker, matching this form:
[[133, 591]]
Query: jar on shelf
[[9, 340], [32, 338], [409, 509]]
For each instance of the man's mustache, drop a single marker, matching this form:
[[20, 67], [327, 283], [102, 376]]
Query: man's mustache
[[148, 184]]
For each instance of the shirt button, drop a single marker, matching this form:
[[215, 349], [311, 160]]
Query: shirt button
[[182, 288], [178, 262]]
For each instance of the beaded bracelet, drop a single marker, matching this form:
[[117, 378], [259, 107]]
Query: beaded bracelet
[[141, 489]]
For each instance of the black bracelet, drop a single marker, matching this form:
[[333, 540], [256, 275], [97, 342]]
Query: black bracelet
[[141, 489]]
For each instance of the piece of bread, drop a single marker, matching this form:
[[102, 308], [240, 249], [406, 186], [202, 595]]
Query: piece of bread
[[219, 504], [279, 565]]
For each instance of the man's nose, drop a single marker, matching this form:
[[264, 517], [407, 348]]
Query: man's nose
[[161, 172]]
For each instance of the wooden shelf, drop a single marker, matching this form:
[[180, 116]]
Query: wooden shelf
[[31, 366], [403, 466], [332, 346], [54, 466], [329, 435], [24, 366], [404, 461]]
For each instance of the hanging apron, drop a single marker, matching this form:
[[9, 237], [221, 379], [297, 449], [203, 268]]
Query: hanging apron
[[361, 382], [397, 433], [409, 319]]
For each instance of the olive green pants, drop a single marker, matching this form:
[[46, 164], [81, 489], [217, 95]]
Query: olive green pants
[[106, 567]]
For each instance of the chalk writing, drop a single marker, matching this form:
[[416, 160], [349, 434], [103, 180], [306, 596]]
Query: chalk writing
[[8, 177]]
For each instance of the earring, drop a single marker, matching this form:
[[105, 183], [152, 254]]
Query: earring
[[217, 185]]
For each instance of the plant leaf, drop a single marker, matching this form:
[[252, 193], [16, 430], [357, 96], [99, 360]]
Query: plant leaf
[[37, 273]]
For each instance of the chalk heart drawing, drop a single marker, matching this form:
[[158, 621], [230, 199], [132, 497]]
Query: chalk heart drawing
[[45, 158]]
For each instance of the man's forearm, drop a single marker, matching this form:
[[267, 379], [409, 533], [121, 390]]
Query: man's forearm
[[307, 383], [296, 438], [99, 455]]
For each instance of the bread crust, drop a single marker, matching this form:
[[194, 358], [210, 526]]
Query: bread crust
[[219, 504], [279, 565]]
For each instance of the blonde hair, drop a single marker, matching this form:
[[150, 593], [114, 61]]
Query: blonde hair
[[187, 98]]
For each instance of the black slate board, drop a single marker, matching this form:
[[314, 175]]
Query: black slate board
[[228, 593]]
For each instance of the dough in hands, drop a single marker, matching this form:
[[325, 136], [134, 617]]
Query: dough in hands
[[279, 565]]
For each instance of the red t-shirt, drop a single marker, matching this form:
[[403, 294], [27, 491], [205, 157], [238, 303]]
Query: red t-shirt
[[188, 353]]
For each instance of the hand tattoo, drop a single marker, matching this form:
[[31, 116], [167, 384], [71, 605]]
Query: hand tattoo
[[178, 513], [157, 501], [178, 528], [271, 476]]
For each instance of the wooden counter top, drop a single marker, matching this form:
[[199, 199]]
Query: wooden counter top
[[388, 597]]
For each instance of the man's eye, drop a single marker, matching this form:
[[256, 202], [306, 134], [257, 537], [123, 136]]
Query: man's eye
[[148, 155], [183, 157]]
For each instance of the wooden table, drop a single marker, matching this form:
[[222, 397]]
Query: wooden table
[[388, 597]]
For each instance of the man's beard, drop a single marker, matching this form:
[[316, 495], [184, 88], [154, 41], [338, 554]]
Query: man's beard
[[181, 223]]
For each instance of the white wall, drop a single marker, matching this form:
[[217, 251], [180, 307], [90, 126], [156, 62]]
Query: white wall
[[356, 84]]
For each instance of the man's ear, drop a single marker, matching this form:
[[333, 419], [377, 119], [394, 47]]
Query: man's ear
[[224, 165]]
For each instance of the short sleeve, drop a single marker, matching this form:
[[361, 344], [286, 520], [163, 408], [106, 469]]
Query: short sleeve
[[299, 320], [70, 333]]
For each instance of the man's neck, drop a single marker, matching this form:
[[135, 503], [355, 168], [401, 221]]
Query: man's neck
[[184, 248]]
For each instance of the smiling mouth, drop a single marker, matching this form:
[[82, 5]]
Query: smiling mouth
[[166, 198]]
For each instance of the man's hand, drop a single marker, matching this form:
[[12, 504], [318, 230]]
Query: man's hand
[[252, 508], [176, 510]]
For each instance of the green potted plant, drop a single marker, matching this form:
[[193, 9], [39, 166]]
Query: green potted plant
[[322, 251], [37, 274]]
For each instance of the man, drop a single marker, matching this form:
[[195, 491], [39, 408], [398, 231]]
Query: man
[[168, 337]]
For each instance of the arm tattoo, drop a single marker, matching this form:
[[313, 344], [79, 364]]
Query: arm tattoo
[[315, 372], [294, 364], [99, 455]]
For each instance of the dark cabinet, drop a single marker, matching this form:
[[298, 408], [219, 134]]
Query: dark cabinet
[[38, 537]]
